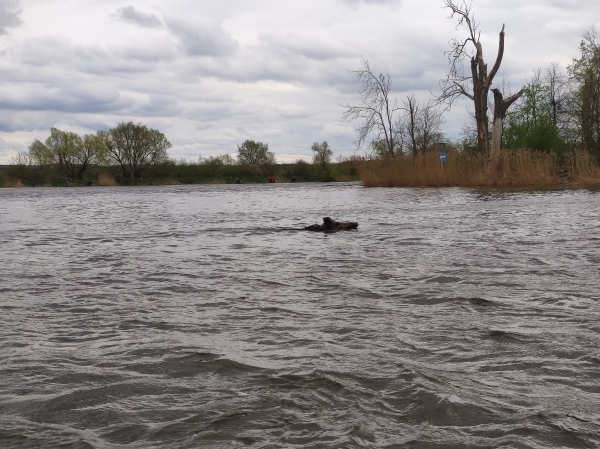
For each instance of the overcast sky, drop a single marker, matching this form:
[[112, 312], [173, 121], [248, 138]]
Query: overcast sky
[[211, 74]]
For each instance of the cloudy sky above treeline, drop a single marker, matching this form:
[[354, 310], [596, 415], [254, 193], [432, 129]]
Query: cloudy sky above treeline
[[211, 74]]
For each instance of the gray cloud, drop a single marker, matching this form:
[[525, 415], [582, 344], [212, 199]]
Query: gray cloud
[[9, 15], [203, 40], [373, 2], [50, 55], [311, 47], [211, 74], [37, 97], [131, 15]]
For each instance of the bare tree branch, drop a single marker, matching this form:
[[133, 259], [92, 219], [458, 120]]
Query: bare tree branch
[[458, 83], [376, 109]]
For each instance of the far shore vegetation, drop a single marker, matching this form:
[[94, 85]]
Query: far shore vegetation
[[132, 154], [545, 133]]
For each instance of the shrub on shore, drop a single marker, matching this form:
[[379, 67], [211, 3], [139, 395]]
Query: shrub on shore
[[514, 168]]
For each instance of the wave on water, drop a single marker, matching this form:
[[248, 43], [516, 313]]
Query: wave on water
[[201, 316]]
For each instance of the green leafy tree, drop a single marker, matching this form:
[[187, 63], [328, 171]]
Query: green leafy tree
[[73, 154], [300, 168], [585, 102], [94, 151], [219, 159], [255, 153], [531, 124], [218, 165], [256, 156], [41, 154], [379, 149], [135, 148], [66, 148], [322, 157]]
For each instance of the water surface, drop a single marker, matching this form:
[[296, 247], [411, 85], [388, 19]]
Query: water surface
[[199, 316]]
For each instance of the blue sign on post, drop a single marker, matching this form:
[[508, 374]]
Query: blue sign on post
[[443, 157]]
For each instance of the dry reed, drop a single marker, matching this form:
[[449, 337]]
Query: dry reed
[[343, 178], [13, 183], [104, 179], [580, 166], [169, 182], [513, 168]]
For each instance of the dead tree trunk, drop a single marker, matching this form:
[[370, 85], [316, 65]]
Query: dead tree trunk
[[501, 106], [481, 86], [458, 82], [411, 106]]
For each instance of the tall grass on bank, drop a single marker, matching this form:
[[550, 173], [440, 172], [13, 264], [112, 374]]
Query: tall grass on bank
[[106, 179], [514, 168], [582, 167], [12, 183]]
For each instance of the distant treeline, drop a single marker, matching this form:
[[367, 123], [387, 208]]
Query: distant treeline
[[134, 154]]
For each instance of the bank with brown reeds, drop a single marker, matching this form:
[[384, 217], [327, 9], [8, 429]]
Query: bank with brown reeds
[[513, 168], [106, 179]]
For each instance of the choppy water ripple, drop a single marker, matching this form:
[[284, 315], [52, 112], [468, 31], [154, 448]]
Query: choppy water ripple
[[198, 316]]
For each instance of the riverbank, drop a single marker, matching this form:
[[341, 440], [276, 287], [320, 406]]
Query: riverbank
[[174, 173], [521, 168], [108, 181]]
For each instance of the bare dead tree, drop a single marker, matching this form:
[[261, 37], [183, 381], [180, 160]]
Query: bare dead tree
[[412, 111], [430, 126], [420, 124], [557, 83], [459, 82], [376, 110], [22, 159]]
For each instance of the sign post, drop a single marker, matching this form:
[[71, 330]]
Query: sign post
[[443, 153]]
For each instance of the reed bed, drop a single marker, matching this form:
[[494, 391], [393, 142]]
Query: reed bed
[[13, 183], [512, 168], [581, 166], [166, 182], [104, 179]]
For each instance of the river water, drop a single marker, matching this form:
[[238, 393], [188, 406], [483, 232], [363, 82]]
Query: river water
[[199, 316]]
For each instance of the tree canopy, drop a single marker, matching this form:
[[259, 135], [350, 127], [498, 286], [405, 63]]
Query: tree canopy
[[255, 153], [585, 101], [532, 123], [70, 152], [135, 147]]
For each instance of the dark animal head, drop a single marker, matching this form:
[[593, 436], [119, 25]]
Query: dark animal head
[[328, 222]]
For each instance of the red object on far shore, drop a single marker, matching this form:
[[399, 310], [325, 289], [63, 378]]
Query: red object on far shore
[[272, 179]]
